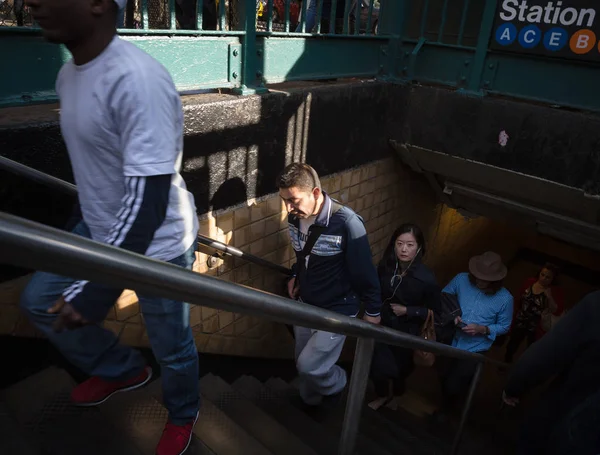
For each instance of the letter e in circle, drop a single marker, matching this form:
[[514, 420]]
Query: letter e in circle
[[530, 36], [555, 39], [506, 34]]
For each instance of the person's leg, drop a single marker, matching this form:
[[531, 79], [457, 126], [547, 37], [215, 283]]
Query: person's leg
[[383, 369], [530, 337], [457, 382], [317, 365], [406, 365], [516, 338], [91, 348], [170, 335], [311, 18], [301, 337]]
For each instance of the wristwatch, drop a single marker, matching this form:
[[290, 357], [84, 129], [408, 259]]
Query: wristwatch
[[487, 330]]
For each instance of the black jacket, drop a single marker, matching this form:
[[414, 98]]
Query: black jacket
[[571, 350], [340, 272], [418, 291], [565, 420]]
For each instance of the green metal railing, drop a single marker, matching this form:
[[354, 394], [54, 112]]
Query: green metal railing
[[244, 45]]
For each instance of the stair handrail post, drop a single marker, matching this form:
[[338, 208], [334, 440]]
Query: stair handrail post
[[466, 409], [356, 395]]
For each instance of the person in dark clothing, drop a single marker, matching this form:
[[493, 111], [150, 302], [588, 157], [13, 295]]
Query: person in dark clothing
[[566, 419], [409, 289], [538, 296]]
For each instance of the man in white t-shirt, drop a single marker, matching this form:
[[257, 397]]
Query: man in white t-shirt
[[122, 121]]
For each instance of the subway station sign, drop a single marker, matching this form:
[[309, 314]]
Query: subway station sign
[[560, 28]]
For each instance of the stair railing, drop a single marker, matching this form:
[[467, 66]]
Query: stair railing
[[71, 190], [33, 245]]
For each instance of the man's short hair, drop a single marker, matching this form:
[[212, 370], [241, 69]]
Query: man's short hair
[[298, 175]]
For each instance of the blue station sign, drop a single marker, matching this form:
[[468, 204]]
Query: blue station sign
[[564, 28]]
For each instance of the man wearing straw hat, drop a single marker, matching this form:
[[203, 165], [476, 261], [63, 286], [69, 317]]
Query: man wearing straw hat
[[486, 313], [122, 121]]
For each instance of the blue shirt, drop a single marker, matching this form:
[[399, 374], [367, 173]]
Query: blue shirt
[[494, 311]]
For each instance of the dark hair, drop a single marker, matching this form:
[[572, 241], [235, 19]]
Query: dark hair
[[492, 288], [298, 175], [389, 260], [555, 272]]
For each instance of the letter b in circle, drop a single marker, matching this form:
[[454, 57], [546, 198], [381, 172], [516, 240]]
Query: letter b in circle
[[530, 36]]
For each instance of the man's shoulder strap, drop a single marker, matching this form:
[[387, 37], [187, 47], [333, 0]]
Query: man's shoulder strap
[[316, 231]]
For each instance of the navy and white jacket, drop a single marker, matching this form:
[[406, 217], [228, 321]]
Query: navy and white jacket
[[340, 271]]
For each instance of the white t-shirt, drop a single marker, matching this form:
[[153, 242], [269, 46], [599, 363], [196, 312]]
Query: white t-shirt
[[121, 116]]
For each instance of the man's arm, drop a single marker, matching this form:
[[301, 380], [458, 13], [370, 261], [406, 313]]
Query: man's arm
[[557, 349], [359, 261], [142, 213], [452, 287], [503, 321], [148, 122]]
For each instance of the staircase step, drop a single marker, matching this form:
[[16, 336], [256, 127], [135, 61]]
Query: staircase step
[[393, 435], [279, 407], [14, 439], [41, 405], [268, 431], [143, 418], [334, 422], [219, 432]]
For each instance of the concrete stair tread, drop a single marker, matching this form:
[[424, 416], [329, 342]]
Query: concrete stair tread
[[267, 430], [364, 444], [218, 431], [284, 412], [41, 405], [143, 418], [13, 438]]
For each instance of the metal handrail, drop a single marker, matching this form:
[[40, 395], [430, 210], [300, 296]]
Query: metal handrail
[[70, 189], [236, 252], [30, 244], [33, 245]]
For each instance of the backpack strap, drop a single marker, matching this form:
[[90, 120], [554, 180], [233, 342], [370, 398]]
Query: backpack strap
[[314, 232]]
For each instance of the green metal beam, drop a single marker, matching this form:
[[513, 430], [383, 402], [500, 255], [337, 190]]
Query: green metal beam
[[286, 59], [544, 80], [194, 63]]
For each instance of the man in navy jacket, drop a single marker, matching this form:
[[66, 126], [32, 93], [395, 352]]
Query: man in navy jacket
[[336, 273]]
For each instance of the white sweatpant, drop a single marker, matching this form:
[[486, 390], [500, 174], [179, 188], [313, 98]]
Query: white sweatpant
[[316, 355]]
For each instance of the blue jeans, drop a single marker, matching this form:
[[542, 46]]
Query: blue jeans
[[97, 352], [311, 17]]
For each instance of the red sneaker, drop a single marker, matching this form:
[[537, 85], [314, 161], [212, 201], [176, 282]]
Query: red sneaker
[[175, 438], [96, 390]]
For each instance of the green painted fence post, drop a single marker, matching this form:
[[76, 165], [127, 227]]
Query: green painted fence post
[[252, 71], [392, 20], [474, 84]]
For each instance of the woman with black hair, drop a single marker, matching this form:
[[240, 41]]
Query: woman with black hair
[[409, 289]]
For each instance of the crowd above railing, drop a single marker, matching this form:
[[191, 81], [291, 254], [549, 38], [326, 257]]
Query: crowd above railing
[[295, 16]]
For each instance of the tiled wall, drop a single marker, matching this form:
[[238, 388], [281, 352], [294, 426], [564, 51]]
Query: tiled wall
[[376, 191], [383, 193]]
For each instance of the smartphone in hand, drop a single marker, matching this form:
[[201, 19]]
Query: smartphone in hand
[[461, 324]]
